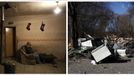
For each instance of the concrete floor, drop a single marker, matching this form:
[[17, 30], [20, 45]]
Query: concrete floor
[[84, 66], [38, 68]]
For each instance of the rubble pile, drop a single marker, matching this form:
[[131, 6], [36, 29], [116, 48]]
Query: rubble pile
[[99, 49]]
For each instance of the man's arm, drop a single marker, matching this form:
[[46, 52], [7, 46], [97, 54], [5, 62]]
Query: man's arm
[[24, 52]]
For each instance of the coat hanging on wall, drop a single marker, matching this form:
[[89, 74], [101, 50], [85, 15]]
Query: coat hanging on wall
[[28, 26], [42, 26]]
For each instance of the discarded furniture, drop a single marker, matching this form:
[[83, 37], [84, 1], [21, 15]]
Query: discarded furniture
[[121, 52], [81, 40], [24, 58], [97, 42], [27, 58], [101, 53], [100, 49], [87, 43]]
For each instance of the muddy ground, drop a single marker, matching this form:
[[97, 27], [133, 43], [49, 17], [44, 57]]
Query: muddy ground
[[83, 66]]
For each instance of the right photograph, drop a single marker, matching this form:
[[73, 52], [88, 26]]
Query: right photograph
[[101, 37]]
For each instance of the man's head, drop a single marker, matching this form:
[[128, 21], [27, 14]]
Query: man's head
[[28, 44]]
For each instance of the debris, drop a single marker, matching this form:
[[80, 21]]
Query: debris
[[100, 53], [90, 37], [121, 52], [116, 46], [80, 40], [87, 43], [93, 62], [99, 48], [83, 48], [97, 42]]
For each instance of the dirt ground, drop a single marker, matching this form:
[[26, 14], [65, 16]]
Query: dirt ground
[[84, 66]]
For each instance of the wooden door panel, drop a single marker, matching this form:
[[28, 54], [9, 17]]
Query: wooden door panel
[[9, 42]]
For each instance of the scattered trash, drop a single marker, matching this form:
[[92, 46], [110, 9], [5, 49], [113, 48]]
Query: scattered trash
[[100, 53], [93, 62], [121, 52], [98, 49], [80, 40], [87, 43]]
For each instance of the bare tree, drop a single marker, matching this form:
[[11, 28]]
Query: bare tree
[[72, 7], [88, 17]]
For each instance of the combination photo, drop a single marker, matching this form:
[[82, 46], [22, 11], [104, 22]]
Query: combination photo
[[66, 37]]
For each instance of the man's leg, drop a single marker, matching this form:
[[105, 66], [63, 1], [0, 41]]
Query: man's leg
[[36, 55]]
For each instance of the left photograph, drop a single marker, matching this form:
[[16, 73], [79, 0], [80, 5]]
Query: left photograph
[[33, 37]]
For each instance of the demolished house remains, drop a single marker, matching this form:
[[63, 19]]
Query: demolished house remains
[[99, 49]]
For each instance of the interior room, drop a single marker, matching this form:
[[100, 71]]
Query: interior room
[[42, 24]]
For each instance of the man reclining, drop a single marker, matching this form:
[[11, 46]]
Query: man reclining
[[30, 51]]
